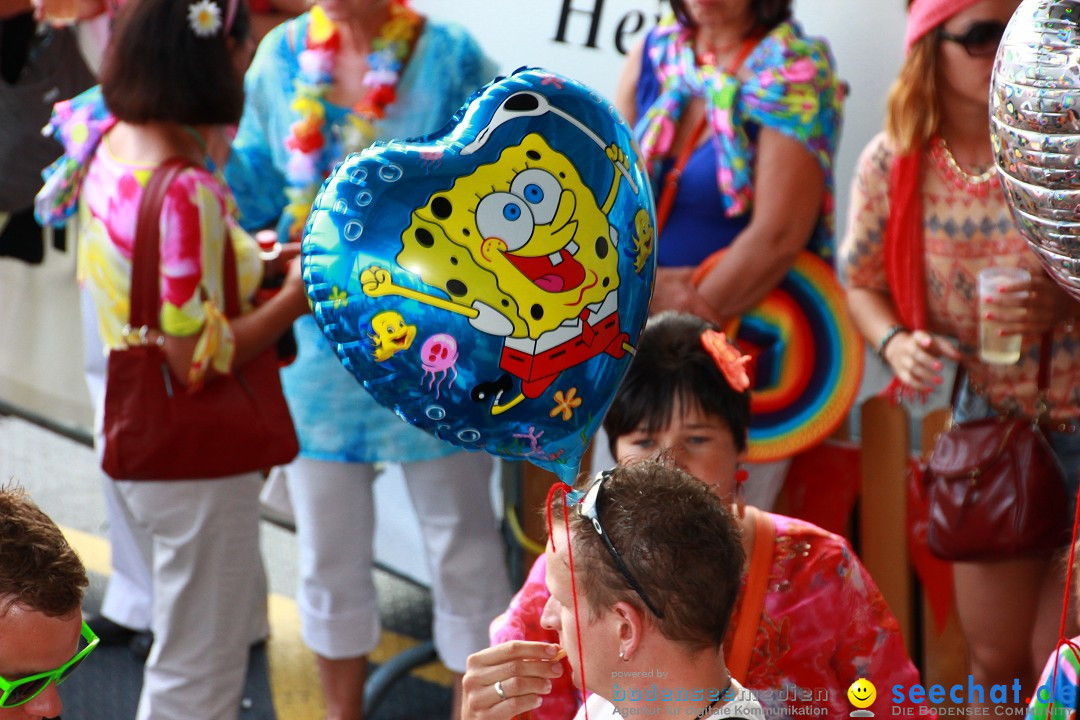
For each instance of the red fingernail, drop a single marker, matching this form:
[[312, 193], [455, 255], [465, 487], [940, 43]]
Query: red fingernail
[[938, 381], [988, 316], [938, 366]]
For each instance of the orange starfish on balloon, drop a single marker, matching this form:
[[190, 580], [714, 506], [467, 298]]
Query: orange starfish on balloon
[[565, 404]]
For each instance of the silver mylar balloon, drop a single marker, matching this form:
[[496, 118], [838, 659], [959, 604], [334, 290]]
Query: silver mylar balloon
[[1035, 130]]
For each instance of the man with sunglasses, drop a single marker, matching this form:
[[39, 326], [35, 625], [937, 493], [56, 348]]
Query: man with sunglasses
[[641, 603], [42, 635]]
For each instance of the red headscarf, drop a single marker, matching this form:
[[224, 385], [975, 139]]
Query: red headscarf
[[925, 15]]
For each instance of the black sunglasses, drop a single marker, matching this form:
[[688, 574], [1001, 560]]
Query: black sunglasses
[[589, 508], [981, 39]]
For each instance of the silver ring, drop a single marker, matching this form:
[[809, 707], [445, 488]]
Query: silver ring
[[499, 690]]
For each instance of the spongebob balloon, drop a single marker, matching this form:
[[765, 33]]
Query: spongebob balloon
[[521, 237]]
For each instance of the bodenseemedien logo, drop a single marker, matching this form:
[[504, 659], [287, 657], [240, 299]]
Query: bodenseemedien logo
[[862, 694]]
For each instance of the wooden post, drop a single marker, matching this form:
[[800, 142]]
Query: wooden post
[[882, 512]]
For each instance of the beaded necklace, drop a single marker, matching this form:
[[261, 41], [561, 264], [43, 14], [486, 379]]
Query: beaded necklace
[[315, 145], [978, 185]]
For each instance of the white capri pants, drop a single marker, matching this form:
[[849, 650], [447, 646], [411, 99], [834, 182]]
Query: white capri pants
[[335, 524], [208, 591]]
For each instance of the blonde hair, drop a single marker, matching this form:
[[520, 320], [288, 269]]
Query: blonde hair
[[913, 112]]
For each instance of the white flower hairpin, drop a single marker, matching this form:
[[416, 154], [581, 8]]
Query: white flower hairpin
[[204, 17]]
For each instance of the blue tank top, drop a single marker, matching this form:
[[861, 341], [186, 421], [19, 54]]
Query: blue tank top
[[697, 226]]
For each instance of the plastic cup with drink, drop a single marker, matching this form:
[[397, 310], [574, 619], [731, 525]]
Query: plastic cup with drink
[[993, 346]]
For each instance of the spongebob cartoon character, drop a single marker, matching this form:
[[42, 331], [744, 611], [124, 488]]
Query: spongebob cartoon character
[[524, 249], [392, 334]]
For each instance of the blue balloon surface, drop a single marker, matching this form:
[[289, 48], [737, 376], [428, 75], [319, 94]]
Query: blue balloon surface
[[489, 282]]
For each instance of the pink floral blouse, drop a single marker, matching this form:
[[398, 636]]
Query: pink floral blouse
[[964, 233], [196, 219], [823, 626]]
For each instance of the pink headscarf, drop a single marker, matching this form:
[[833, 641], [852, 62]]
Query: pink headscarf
[[925, 15]]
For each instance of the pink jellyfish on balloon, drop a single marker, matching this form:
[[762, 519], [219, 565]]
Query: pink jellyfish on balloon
[[438, 355]]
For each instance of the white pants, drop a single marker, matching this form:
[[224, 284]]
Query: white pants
[[128, 592], [207, 588], [335, 522]]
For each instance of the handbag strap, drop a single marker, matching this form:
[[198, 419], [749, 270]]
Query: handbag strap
[[757, 584], [674, 175], [1046, 351], [146, 254]]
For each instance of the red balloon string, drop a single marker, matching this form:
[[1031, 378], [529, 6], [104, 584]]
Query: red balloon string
[[561, 488], [1062, 640]]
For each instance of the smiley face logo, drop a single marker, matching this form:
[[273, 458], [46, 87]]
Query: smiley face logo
[[862, 693]]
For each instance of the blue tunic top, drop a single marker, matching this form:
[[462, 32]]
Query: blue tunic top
[[697, 226], [336, 419]]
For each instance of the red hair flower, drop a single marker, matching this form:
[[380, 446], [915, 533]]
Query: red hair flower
[[728, 358]]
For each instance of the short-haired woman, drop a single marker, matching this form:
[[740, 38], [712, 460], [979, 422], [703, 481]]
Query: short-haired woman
[[171, 85]]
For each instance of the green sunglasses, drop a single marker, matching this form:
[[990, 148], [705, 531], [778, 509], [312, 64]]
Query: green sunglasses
[[16, 692]]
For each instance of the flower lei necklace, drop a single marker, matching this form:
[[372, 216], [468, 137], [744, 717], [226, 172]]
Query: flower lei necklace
[[311, 154]]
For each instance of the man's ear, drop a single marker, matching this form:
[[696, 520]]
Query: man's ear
[[630, 627]]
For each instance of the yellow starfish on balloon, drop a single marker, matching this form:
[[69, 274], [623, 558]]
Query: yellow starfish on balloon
[[339, 297], [565, 404]]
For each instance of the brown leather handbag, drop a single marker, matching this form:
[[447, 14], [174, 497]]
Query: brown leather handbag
[[995, 488], [155, 428]]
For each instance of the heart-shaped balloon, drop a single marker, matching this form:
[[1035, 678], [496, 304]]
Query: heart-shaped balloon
[[1035, 130], [489, 282]]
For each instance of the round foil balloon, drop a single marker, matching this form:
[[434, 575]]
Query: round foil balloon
[[489, 282], [1035, 129]]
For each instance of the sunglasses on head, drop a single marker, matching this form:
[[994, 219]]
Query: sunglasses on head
[[17, 692], [587, 508], [981, 39]]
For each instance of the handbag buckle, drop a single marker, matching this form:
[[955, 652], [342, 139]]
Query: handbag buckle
[[140, 337]]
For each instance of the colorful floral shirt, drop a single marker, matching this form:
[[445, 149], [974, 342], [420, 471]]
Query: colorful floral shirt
[[1066, 688], [789, 86], [963, 233], [197, 218], [824, 624]]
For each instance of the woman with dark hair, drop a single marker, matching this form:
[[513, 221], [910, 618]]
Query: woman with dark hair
[[685, 398], [738, 115], [927, 214], [175, 96]]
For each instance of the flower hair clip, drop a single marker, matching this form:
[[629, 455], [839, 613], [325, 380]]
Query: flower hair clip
[[204, 18], [728, 359]]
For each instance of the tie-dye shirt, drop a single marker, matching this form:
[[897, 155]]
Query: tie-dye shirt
[[196, 220], [336, 419]]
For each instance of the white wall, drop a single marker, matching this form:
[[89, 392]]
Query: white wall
[[866, 37]]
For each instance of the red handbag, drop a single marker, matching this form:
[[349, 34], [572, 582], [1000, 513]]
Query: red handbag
[[155, 428], [995, 488]]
